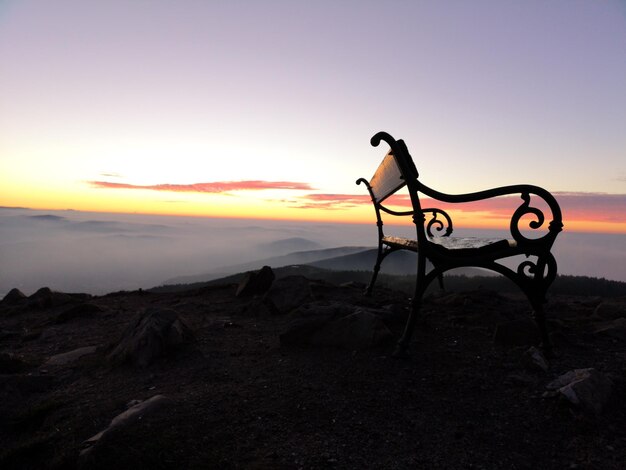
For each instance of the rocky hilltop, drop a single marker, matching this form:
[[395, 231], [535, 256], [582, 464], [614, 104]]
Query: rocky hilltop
[[296, 373]]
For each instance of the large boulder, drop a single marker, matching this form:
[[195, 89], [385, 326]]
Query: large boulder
[[14, 296], [47, 298], [153, 334], [255, 282]]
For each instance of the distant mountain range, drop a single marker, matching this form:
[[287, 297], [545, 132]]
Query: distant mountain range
[[296, 258], [346, 258]]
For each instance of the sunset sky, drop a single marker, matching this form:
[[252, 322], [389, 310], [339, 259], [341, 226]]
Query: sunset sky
[[265, 108]]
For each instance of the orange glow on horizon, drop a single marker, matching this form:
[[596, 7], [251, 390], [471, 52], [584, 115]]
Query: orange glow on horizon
[[595, 213], [259, 210]]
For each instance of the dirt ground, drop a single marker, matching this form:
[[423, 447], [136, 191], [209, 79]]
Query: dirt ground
[[240, 399]]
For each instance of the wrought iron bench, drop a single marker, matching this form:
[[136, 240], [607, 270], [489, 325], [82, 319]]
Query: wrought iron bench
[[533, 274]]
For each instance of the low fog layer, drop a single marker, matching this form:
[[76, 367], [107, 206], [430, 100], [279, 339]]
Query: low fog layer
[[99, 253]]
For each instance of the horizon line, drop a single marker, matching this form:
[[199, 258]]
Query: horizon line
[[290, 219]]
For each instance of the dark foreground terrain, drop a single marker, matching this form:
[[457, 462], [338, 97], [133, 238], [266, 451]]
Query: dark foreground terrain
[[303, 378]]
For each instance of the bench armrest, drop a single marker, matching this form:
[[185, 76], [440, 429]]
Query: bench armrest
[[525, 191], [442, 227]]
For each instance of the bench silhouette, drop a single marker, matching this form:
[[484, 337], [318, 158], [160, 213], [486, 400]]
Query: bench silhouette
[[433, 241]]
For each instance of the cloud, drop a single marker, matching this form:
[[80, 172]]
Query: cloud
[[574, 205], [214, 187], [593, 206], [345, 201], [332, 201]]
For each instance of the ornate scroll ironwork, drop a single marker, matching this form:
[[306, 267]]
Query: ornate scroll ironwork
[[442, 227]]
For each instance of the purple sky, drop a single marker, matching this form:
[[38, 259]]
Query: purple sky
[[182, 93]]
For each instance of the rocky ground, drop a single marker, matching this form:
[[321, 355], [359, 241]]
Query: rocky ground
[[302, 377]]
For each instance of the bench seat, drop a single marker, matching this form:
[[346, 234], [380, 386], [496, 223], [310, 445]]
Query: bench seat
[[451, 243]]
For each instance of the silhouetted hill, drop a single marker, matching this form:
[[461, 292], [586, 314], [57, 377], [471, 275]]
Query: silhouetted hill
[[346, 258], [296, 258], [398, 263], [565, 285]]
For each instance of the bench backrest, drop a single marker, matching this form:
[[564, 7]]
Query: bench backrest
[[389, 176], [387, 179]]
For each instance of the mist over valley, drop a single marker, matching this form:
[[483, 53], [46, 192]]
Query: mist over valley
[[97, 253]]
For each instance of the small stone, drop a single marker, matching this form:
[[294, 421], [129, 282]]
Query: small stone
[[584, 388], [131, 416], [70, 356], [534, 360]]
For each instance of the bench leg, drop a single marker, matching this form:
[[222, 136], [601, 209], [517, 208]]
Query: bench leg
[[416, 303], [370, 287], [540, 319], [404, 340], [379, 260]]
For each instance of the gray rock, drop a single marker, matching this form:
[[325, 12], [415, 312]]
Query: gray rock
[[255, 282], [609, 310], [585, 388], [521, 332], [151, 335], [615, 328], [288, 293], [70, 356], [131, 417]]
